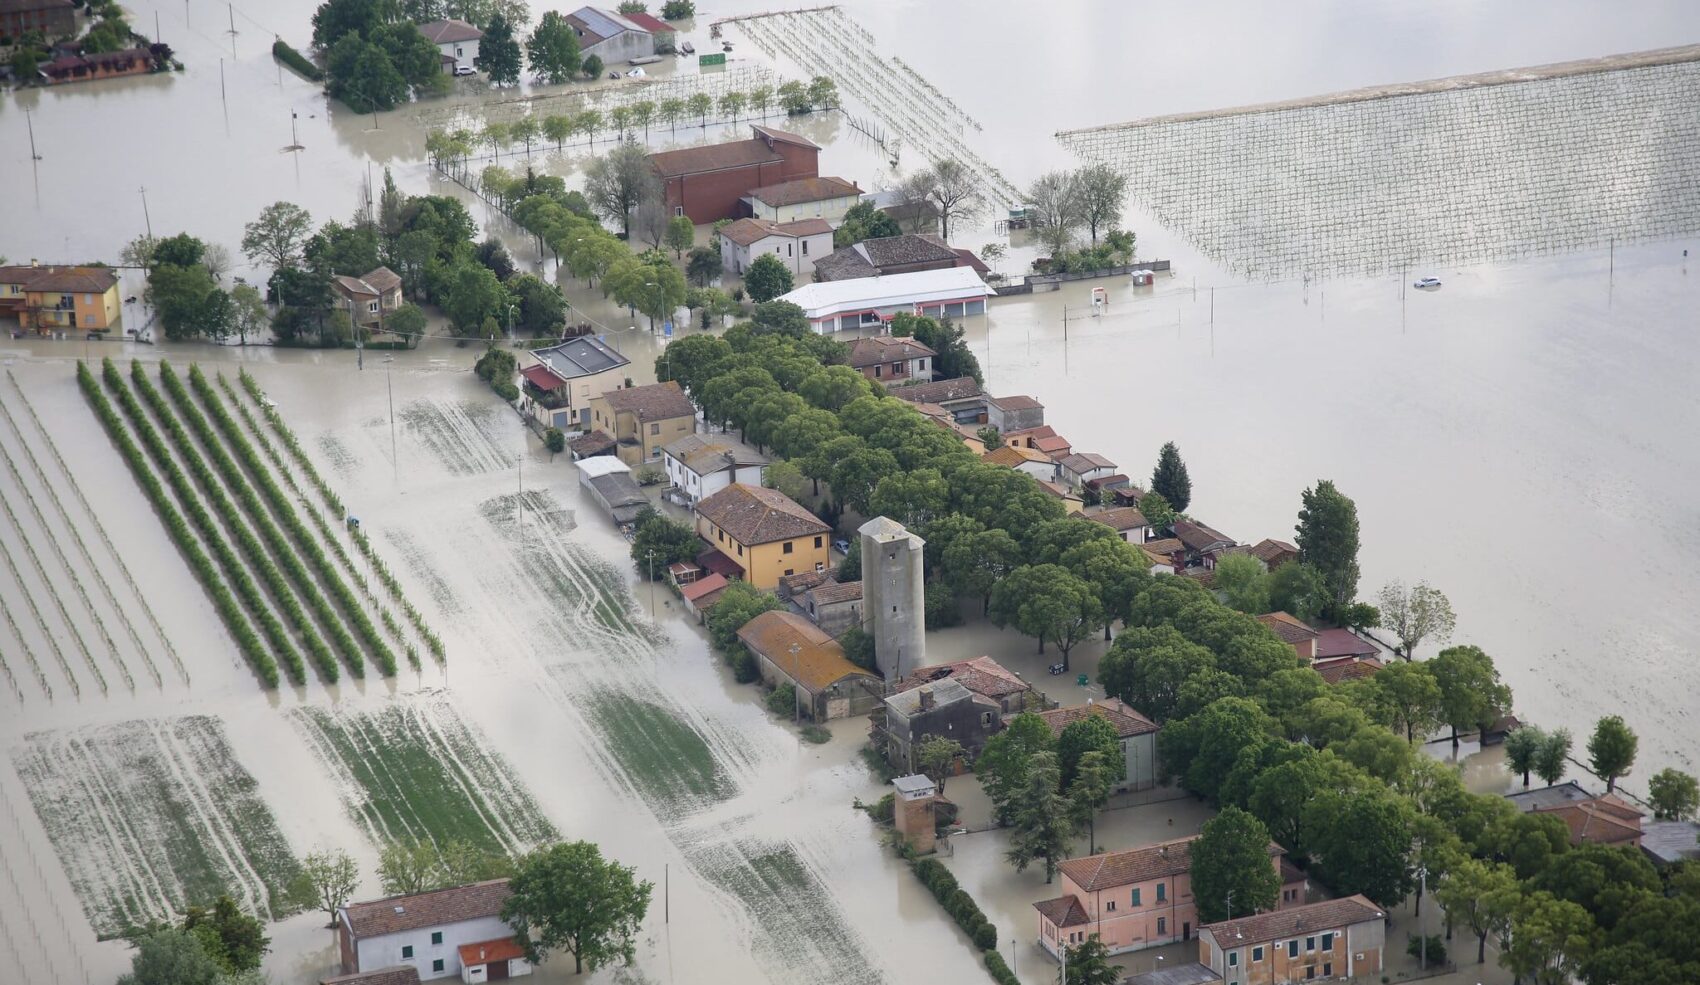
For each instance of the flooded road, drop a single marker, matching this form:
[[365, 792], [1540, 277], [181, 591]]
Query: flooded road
[[1520, 438]]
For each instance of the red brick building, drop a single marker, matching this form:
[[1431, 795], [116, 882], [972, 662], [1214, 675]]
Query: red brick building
[[53, 18], [706, 183]]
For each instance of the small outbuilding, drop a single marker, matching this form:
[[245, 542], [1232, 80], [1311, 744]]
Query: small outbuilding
[[789, 648], [609, 483]]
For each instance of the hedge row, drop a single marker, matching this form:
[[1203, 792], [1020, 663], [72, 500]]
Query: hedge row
[[957, 903], [282, 51], [432, 642], [352, 610], [250, 546], [280, 547], [999, 969], [247, 641]]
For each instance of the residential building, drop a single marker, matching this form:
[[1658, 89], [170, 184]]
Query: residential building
[[871, 301], [834, 606], [700, 595], [1073, 502], [53, 18], [1602, 819], [709, 183], [888, 255], [609, 483], [763, 533], [61, 299], [1203, 544], [982, 676], [1292, 632], [1340, 669], [1078, 467], [943, 708], [700, 465], [457, 41], [1340, 938], [369, 297], [1171, 552], [103, 65], [642, 419], [790, 649], [1334, 643], [401, 974], [797, 244], [1132, 899], [1128, 523], [1273, 553], [893, 609], [814, 197], [961, 398], [1136, 733], [558, 382], [1017, 413], [1669, 842], [425, 930], [1119, 490], [614, 37], [1035, 463], [892, 360]]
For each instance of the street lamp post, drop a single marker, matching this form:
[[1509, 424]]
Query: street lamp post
[[796, 686]]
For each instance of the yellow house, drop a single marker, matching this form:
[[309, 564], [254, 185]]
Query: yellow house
[[642, 419], [764, 533], [61, 299]]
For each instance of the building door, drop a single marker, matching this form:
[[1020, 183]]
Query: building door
[[498, 970], [1186, 930], [837, 708]]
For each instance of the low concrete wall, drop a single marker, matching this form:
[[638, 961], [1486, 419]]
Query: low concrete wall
[[1041, 283]]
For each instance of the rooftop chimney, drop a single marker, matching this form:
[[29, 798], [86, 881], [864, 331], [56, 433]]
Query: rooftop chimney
[[927, 699]]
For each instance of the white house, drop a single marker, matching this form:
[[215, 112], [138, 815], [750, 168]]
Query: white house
[[457, 40], [436, 933], [1136, 734], [797, 244], [1075, 469], [804, 198], [868, 301], [700, 466], [615, 37]]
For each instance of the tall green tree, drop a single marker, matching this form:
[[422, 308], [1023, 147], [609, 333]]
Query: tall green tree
[[363, 77], [1233, 874], [1094, 733], [1147, 667], [498, 52], [1415, 614], [681, 234], [1048, 603], [1471, 693], [232, 938], [1004, 763], [1611, 750], [1297, 589], [1411, 696], [934, 757], [473, 295], [179, 296], [1522, 748], [553, 49], [1553, 757], [1480, 895], [1550, 939], [1362, 840], [974, 563], [1673, 795], [568, 897], [171, 957], [1089, 791], [1243, 582], [1088, 963], [617, 181], [336, 18], [1328, 541], [327, 880], [767, 278], [1040, 819], [1103, 197], [278, 235], [1170, 480]]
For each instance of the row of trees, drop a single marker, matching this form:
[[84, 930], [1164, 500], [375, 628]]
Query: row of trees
[[1062, 203]]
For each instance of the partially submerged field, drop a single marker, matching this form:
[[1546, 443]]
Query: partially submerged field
[[150, 816]]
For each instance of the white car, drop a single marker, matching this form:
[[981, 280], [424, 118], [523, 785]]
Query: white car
[[465, 70], [1428, 282], [636, 73]]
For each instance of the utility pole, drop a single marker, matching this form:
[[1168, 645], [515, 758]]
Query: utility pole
[[389, 388], [649, 555], [145, 216], [31, 124], [796, 686]]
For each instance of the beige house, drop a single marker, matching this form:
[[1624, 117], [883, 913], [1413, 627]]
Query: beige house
[[796, 244], [803, 198], [556, 383], [1136, 734], [641, 419], [369, 298]]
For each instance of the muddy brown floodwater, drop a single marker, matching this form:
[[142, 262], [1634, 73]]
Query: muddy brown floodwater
[[1521, 438]]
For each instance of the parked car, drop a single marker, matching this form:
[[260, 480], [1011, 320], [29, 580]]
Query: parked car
[[841, 545], [1428, 282], [465, 70]]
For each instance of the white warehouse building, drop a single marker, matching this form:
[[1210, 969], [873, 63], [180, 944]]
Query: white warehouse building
[[865, 302]]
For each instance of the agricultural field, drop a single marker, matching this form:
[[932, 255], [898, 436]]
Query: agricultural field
[[150, 816], [416, 772], [461, 434]]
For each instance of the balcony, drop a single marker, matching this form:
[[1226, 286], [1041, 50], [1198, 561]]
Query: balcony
[[544, 398]]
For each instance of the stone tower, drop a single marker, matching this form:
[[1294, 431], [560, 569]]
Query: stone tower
[[912, 811], [893, 606]]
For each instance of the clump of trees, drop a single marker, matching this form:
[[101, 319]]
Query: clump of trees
[[1062, 203], [374, 58], [954, 359], [567, 897], [659, 541]]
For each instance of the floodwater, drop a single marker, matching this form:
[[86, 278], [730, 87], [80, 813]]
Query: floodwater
[[1519, 438]]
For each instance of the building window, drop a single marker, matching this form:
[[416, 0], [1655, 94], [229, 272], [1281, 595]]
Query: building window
[[1292, 949], [1162, 925], [787, 249], [1257, 953], [436, 937], [805, 247], [654, 429], [1135, 900], [897, 369], [437, 965], [1328, 969], [678, 210], [1233, 959], [1310, 973], [986, 719], [1328, 941], [740, 550], [407, 950], [787, 548], [817, 542], [877, 371], [372, 306], [923, 364], [1162, 891], [1310, 943], [790, 571]]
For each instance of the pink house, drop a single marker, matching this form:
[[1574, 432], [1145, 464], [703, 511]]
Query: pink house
[[1134, 899]]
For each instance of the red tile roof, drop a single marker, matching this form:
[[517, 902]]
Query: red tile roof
[[693, 591], [1120, 518], [655, 402], [1286, 627], [981, 675], [1198, 537], [1128, 722], [885, 349], [650, 23], [1269, 551], [818, 662], [485, 952], [804, 190], [395, 914], [1342, 643], [70, 280], [1347, 668], [1109, 869], [785, 136], [834, 592], [1018, 402], [753, 515], [542, 377], [714, 157], [1064, 911], [1297, 921], [1603, 820]]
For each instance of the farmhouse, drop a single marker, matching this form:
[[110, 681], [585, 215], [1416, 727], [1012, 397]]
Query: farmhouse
[[944, 708], [796, 244], [556, 383], [982, 676], [892, 360], [369, 297], [803, 198], [762, 533], [456, 40], [60, 299], [791, 649], [615, 37], [429, 932], [709, 183], [53, 18], [700, 465], [871, 301], [643, 418]]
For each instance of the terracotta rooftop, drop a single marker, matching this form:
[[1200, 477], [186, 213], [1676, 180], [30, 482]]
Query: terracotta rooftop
[[802, 190], [885, 349], [1269, 551], [1331, 914], [1011, 456], [592, 443], [834, 592], [1163, 545], [1086, 462], [1109, 869], [784, 136], [1042, 431], [485, 952], [1288, 628], [714, 157], [70, 280], [401, 974], [819, 661], [1055, 446], [1120, 518], [1018, 402], [1198, 537], [1127, 721], [1347, 668], [655, 402], [696, 591], [1064, 911], [751, 230], [650, 23], [871, 256], [395, 914], [753, 515], [981, 675], [1342, 643], [938, 391]]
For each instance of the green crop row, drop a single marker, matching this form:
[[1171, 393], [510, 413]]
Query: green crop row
[[247, 641], [281, 548], [250, 546], [288, 438], [351, 607], [396, 592]]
